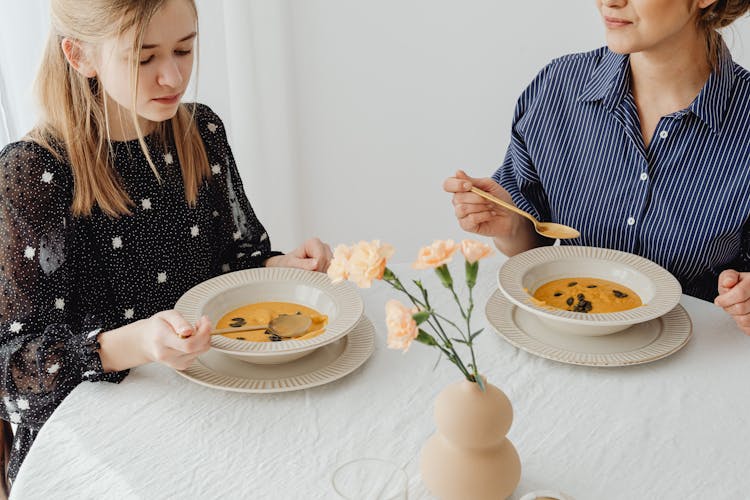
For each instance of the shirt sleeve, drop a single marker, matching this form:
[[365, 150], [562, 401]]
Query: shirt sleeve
[[245, 242], [517, 174], [742, 262], [47, 345]]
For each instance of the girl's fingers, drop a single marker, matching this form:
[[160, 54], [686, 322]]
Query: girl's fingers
[[177, 323]]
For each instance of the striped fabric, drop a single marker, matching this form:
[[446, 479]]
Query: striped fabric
[[577, 157]]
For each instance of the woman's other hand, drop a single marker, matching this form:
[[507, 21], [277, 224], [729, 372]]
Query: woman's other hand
[[734, 297], [511, 232], [312, 255]]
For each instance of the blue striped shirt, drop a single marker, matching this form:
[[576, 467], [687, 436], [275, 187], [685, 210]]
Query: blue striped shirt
[[577, 157]]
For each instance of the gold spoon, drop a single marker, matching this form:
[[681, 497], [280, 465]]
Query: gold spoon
[[548, 229], [284, 325]]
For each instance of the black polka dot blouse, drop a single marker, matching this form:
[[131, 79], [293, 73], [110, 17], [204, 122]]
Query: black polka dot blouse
[[65, 279]]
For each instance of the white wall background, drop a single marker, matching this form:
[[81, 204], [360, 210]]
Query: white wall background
[[346, 115]]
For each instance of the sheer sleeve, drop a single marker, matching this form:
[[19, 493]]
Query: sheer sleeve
[[244, 242], [47, 346]]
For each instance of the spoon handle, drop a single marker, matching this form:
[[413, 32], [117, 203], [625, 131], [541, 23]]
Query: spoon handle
[[244, 328], [502, 203]]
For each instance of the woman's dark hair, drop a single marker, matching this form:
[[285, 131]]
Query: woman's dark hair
[[719, 15]]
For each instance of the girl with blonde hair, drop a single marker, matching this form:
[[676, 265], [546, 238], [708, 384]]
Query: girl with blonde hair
[[120, 200], [642, 145]]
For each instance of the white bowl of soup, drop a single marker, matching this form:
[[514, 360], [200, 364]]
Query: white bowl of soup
[[587, 290], [255, 296]]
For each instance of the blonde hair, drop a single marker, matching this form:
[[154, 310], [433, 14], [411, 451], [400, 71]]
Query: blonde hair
[[719, 15], [74, 113]]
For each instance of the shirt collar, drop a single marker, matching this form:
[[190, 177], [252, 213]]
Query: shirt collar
[[610, 82], [712, 101]]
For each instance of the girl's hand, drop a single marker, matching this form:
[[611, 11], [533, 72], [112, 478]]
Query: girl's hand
[[734, 297], [477, 215], [169, 339], [313, 255]]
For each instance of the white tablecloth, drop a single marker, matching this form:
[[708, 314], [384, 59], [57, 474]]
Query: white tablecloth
[[678, 428]]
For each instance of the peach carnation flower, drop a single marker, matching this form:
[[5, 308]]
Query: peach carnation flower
[[474, 250], [435, 255], [402, 329], [367, 262], [338, 270]]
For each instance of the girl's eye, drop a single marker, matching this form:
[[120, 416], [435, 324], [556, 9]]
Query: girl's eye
[[183, 52], [143, 63]]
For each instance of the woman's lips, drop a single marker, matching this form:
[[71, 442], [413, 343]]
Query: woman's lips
[[614, 22], [170, 99]]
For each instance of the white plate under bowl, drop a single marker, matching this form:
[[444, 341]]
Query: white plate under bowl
[[328, 363], [522, 274], [640, 343], [223, 294]]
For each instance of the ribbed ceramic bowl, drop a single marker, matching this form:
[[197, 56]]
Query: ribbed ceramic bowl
[[522, 274], [222, 294]]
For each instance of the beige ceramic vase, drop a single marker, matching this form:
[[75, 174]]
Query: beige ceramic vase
[[469, 457]]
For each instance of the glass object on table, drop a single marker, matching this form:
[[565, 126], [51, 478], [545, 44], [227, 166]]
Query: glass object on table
[[370, 479]]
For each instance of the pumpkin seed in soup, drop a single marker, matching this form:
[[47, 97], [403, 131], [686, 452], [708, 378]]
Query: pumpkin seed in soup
[[587, 295]]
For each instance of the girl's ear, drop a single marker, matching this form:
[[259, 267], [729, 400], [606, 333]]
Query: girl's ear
[[77, 58], [702, 4]]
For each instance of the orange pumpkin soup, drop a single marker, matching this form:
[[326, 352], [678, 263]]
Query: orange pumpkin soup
[[262, 313], [587, 295]]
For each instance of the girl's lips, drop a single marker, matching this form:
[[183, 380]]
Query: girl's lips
[[613, 22], [168, 99]]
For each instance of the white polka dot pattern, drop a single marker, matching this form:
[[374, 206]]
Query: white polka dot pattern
[[65, 277]]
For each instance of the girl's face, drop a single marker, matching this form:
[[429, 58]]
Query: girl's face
[[166, 63], [641, 25]]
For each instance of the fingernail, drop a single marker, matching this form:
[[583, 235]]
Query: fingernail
[[467, 185]]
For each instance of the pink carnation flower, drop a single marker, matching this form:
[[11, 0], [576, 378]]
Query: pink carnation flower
[[367, 262], [435, 255], [473, 250], [402, 329]]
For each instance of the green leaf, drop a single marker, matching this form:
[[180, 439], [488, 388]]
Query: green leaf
[[460, 341], [388, 275], [471, 273], [426, 338], [421, 316], [445, 275], [474, 335]]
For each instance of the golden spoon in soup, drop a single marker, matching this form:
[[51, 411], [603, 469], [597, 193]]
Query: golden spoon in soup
[[587, 295], [274, 314]]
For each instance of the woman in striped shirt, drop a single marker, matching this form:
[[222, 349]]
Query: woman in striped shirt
[[643, 145]]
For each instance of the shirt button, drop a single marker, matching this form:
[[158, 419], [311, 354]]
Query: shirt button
[[663, 134], [631, 221], [644, 176]]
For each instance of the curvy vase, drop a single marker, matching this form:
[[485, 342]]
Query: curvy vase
[[469, 456]]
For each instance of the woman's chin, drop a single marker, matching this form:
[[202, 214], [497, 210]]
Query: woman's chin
[[621, 45]]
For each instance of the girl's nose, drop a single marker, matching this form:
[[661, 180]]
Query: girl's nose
[[169, 74]]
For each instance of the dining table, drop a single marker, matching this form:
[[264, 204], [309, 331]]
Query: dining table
[[674, 428]]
